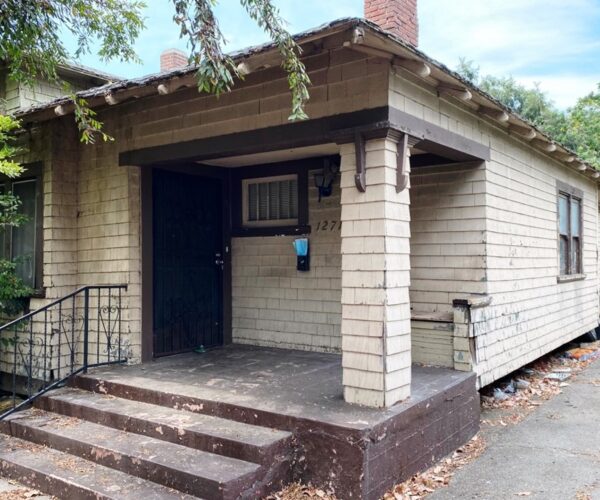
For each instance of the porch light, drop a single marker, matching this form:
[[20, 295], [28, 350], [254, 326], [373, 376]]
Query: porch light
[[324, 179]]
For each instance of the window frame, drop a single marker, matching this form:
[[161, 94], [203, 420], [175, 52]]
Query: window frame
[[571, 194], [246, 222], [240, 177], [32, 171]]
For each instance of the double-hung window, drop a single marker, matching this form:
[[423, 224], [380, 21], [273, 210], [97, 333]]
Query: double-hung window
[[570, 236]]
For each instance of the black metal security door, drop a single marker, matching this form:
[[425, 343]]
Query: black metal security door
[[187, 234]]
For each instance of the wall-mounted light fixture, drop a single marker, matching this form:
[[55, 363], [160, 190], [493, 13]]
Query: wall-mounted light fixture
[[324, 179]]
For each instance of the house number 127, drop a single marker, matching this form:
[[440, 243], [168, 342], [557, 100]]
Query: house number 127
[[329, 225]]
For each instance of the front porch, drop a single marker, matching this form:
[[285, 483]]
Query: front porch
[[336, 443]]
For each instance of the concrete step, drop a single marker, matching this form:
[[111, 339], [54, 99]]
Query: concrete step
[[191, 471], [204, 432], [170, 394], [67, 476]]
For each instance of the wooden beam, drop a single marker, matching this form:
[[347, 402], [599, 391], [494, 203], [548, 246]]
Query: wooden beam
[[339, 128], [289, 135], [403, 161], [244, 68], [111, 99], [60, 110], [364, 49], [549, 147], [461, 93], [419, 68], [566, 157], [438, 140], [263, 61], [360, 154], [525, 132], [176, 83], [496, 114]]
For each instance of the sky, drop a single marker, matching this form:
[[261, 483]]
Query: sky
[[555, 43]]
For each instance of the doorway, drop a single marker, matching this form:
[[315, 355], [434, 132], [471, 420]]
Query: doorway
[[187, 262]]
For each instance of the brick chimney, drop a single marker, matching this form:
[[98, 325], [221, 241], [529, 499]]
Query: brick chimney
[[397, 16], [171, 59]]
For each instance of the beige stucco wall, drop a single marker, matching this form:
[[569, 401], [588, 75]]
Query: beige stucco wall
[[276, 305]]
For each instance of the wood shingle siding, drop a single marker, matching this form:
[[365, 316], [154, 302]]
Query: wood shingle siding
[[531, 313], [276, 305], [485, 229], [432, 343], [342, 81], [447, 235], [509, 241]]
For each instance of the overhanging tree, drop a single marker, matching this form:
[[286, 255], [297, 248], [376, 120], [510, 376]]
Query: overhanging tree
[[31, 49], [12, 288], [31, 45]]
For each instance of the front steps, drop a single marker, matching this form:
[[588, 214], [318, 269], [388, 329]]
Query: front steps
[[122, 449]]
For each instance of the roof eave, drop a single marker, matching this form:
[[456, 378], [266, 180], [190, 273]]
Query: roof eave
[[362, 36]]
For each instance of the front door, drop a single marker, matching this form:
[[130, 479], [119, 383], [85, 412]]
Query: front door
[[187, 266]]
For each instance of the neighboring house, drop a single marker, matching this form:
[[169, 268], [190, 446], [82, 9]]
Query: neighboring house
[[455, 235], [17, 97]]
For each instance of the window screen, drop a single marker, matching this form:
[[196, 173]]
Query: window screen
[[271, 201]]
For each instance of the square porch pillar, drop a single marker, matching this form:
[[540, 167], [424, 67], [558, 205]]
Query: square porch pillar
[[376, 343]]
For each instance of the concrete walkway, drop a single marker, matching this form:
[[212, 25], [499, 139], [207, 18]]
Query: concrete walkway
[[553, 454]]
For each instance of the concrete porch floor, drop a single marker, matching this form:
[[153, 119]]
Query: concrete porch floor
[[294, 383], [358, 452]]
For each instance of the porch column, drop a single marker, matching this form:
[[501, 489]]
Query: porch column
[[375, 278]]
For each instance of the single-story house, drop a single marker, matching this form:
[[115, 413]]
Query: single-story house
[[412, 219]]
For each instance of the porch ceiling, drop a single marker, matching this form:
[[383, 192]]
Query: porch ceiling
[[419, 157], [275, 156]]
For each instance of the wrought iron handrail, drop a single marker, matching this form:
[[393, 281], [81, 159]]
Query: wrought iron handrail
[[44, 348]]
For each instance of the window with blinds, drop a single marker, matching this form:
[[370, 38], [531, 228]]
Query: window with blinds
[[270, 201]]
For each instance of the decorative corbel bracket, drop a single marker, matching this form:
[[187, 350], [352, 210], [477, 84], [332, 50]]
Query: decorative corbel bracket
[[405, 142], [360, 179]]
